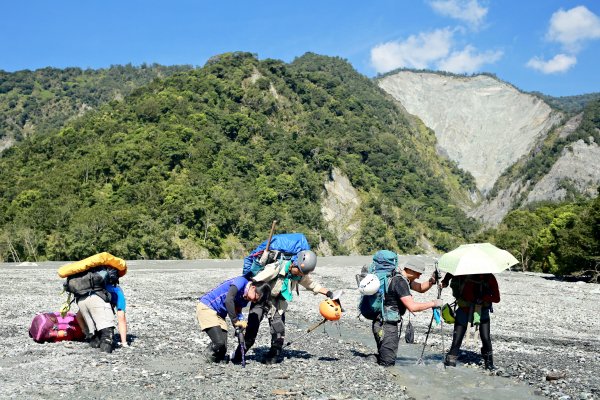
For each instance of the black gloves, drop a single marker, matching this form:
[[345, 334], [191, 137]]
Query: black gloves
[[329, 294]]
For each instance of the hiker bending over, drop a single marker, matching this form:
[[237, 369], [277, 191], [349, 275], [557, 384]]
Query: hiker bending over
[[474, 297], [227, 299], [96, 314], [283, 277], [396, 301]]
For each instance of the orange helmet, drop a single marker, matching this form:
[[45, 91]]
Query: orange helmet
[[330, 310]]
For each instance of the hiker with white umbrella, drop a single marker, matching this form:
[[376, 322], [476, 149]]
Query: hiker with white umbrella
[[470, 270]]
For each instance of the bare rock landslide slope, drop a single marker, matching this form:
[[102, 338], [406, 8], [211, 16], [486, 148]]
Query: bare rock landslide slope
[[483, 124]]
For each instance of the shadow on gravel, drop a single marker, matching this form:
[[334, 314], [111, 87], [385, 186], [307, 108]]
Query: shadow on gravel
[[130, 338], [328, 359], [188, 298], [297, 354], [573, 278]]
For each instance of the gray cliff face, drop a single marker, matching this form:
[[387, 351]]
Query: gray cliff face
[[481, 123], [491, 211], [340, 206], [578, 165]]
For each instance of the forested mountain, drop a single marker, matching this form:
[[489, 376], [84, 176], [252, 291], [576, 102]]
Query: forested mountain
[[560, 238], [41, 101], [198, 164], [570, 104]]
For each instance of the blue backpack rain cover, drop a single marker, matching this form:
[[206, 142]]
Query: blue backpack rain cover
[[384, 266], [288, 244]]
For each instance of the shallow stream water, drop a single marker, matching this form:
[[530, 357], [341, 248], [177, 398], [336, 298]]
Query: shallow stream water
[[430, 380]]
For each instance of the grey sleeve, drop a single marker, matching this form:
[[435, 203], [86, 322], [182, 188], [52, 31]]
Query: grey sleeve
[[230, 303]]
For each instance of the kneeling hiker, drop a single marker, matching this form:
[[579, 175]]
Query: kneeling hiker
[[283, 276], [474, 297], [118, 304], [389, 299], [90, 281], [227, 299]]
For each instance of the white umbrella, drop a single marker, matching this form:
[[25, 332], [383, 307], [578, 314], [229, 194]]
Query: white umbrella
[[476, 258]]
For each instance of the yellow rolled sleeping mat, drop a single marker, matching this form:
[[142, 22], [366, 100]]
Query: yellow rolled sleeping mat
[[100, 259]]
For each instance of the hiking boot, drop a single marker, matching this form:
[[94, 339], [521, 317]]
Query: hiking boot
[[450, 360], [488, 360], [95, 341], [272, 357], [236, 356], [209, 355], [106, 340], [372, 358]]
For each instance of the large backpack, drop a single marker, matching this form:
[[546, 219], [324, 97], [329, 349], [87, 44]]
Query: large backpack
[[53, 327], [92, 281], [384, 266], [284, 246]]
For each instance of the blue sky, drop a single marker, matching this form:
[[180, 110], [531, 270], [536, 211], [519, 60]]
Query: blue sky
[[551, 46]]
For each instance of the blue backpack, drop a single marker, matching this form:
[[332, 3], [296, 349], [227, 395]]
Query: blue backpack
[[384, 266], [285, 246]]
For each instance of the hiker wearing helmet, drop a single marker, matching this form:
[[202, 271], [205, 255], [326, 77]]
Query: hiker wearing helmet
[[283, 277], [227, 299], [474, 297], [397, 300]]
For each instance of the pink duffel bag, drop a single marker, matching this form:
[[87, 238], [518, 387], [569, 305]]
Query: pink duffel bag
[[51, 327]]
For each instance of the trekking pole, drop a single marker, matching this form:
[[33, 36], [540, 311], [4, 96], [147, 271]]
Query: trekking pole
[[242, 342], [270, 235], [420, 360], [309, 330]]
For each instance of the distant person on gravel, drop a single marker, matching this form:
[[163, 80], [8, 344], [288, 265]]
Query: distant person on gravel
[[398, 298], [283, 277], [97, 312], [229, 298], [474, 297]]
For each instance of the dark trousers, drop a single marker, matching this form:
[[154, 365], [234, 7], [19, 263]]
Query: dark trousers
[[461, 329], [276, 325], [387, 339], [217, 349]]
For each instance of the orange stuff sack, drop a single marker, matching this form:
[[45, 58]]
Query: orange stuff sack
[[100, 259]]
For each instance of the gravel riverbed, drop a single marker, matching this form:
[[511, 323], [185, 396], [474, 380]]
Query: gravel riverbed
[[542, 328]]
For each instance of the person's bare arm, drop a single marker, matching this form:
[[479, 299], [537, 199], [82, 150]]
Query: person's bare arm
[[412, 306], [422, 287], [122, 326]]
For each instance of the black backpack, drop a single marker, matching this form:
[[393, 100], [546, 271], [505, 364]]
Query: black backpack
[[92, 281]]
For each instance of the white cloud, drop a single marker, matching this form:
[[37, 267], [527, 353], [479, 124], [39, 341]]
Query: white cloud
[[415, 52], [560, 63], [572, 27], [468, 11], [468, 60]]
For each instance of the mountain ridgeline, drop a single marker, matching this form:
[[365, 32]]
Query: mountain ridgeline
[[198, 164], [41, 101]]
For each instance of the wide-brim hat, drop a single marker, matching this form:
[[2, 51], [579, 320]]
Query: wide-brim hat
[[415, 265]]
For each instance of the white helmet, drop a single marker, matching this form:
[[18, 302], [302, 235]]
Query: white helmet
[[369, 285]]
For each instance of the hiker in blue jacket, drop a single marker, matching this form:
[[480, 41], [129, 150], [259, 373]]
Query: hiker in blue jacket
[[227, 299]]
